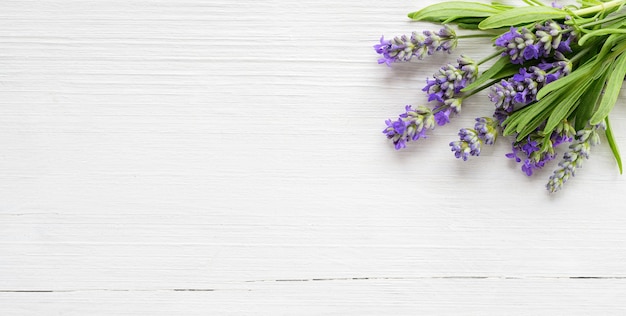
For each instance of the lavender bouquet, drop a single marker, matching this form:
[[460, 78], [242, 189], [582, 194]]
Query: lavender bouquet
[[556, 74]]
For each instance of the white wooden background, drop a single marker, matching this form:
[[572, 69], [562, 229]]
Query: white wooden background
[[214, 157]]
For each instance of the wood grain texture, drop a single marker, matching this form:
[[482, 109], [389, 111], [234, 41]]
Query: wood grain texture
[[217, 157]]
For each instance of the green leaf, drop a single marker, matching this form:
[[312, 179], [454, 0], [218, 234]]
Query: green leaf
[[608, 45], [582, 72], [589, 101], [521, 15], [611, 139], [599, 32], [463, 22], [521, 118], [467, 26], [566, 106], [611, 92], [532, 124], [579, 21], [445, 10]]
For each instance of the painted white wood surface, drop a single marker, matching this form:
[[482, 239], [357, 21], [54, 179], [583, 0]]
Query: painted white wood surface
[[225, 157]]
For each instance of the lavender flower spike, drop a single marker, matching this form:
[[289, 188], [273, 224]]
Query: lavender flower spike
[[404, 48], [470, 140], [521, 89], [573, 159], [446, 85], [449, 80], [468, 145], [519, 45], [487, 129], [539, 148], [410, 126], [523, 45]]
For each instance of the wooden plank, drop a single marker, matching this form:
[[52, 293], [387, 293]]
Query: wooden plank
[[227, 157]]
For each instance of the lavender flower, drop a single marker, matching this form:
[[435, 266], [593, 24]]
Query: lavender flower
[[404, 48], [446, 87], [487, 129], [539, 148], [522, 45], [443, 111], [521, 89], [468, 145], [518, 44], [410, 126], [471, 140], [449, 80], [550, 35], [573, 159]]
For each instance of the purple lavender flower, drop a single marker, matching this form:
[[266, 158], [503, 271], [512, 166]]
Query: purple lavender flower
[[442, 117], [468, 145], [522, 45], [554, 38], [514, 154], [410, 126], [487, 129], [446, 87], [521, 89], [404, 48], [537, 156], [573, 159], [470, 140], [516, 43], [449, 80], [540, 149]]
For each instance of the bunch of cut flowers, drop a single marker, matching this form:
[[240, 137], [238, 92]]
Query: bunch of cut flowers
[[556, 73]]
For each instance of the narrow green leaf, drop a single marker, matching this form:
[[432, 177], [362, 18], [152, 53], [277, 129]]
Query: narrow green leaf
[[501, 6], [607, 46], [445, 10], [599, 32], [467, 26], [521, 15], [566, 106], [532, 125], [611, 139], [521, 118], [579, 21], [589, 101], [467, 23], [611, 92], [582, 72]]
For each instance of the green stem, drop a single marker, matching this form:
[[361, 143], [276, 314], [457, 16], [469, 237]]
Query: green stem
[[490, 57], [599, 7], [476, 35], [481, 88], [579, 55], [605, 20], [539, 3], [438, 109]]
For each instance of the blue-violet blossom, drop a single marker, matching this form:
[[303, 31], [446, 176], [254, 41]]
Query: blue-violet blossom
[[410, 125], [539, 149], [404, 48], [470, 140], [573, 159], [446, 85], [521, 89], [522, 44]]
